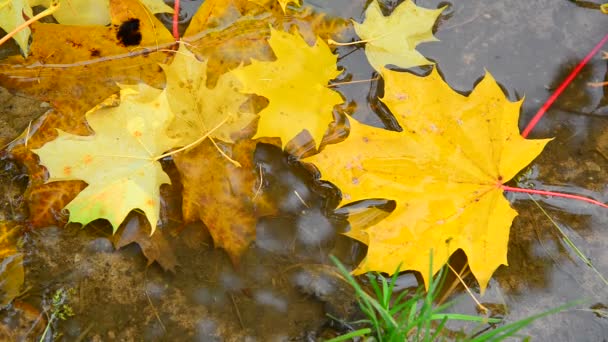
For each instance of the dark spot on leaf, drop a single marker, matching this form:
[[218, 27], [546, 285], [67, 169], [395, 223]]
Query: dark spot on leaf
[[95, 53], [500, 178], [73, 43], [128, 33]]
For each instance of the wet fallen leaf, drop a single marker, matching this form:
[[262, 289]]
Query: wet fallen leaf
[[228, 199], [45, 202], [119, 162], [298, 71], [73, 72], [87, 12], [393, 39], [242, 35], [231, 33], [198, 108], [73, 86], [14, 13], [11, 263], [155, 247], [26, 323], [444, 170]]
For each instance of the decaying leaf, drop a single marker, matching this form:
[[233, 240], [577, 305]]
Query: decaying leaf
[[444, 170], [70, 12], [11, 263], [288, 82], [119, 162], [198, 108], [45, 202], [393, 39], [226, 198], [155, 247], [73, 72]]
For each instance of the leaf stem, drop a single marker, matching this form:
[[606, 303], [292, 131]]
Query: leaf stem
[[554, 194], [562, 87], [54, 7], [336, 84], [194, 143], [333, 42]]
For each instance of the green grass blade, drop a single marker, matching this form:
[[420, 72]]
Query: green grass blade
[[466, 318], [510, 329], [351, 335]]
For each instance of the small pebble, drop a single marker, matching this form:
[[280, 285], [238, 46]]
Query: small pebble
[[102, 245]]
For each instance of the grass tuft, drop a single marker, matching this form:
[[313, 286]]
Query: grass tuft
[[414, 316]]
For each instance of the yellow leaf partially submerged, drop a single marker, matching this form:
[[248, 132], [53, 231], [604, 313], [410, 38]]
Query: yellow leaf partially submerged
[[393, 39], [198, 108], [296, 86], [444, 170]]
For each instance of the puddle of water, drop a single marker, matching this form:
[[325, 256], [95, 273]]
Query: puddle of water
[[279, 290]]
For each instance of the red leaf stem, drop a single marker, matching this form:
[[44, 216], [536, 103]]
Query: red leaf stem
[[176, 19], [562, 87], [553, 193]]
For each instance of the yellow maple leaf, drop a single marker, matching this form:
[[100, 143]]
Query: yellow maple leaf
[[197, 108], [295, 85], [444, 170], [119, 162], [393, 39]]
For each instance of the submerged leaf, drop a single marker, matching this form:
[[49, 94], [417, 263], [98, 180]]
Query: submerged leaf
[[226, 198], [393, 39], [11, 263], [444, 170], [155, 246]]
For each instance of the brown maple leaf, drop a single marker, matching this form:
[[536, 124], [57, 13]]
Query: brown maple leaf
[[225, 197]]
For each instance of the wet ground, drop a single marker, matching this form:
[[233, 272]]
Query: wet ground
[[280, 291]]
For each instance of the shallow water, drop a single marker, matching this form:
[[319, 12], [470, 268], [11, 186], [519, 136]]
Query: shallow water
[[279, 291]]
